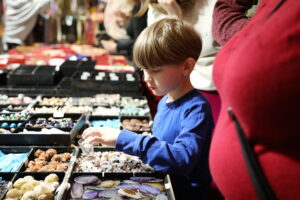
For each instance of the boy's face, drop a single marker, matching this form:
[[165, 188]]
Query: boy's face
[[163, 80]]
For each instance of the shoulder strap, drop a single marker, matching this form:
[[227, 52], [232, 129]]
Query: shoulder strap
[[258, 179]]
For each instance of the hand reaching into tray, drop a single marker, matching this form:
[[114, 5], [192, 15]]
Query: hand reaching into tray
[[104, 135]]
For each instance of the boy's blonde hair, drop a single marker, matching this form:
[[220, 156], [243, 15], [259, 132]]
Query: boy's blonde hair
[[166, 42]]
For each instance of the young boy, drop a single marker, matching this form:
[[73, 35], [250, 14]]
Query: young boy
[[166, 52]]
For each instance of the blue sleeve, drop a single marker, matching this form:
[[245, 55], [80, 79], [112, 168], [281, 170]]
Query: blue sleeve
[[179, 158]]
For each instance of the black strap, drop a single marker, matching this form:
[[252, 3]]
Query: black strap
[[258, 179], [277, 6]]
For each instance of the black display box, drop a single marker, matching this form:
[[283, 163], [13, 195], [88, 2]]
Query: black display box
[[19, 138], [69, 67], [122, 176], [31, 75], [106, 85]]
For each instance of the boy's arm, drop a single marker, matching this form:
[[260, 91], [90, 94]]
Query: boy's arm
[[179, 158]]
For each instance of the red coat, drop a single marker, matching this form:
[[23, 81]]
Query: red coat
[[257, 73]]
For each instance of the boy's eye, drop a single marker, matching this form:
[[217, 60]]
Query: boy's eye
[[156, 70]]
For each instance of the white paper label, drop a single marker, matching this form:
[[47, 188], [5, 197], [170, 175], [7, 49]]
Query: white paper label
[[58, 114]]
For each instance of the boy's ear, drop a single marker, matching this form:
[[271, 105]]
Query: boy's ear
[[189, 65]]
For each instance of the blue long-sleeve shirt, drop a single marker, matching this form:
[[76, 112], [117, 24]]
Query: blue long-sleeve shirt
[[180, 143]]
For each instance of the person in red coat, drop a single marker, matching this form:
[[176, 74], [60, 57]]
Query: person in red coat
[[257, 74], [229, 17]]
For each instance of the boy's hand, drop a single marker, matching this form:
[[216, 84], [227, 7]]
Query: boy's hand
[[172, 7], [104, 135]]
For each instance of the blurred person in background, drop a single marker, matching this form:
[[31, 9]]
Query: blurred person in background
[[230, 17], [20, 17], [134, 26], [116, 16]]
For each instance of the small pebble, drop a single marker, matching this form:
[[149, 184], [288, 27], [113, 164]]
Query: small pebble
[[5, 125], [12, 125]]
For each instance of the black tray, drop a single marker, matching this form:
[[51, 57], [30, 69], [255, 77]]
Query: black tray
[[136, 117], [68, 68], [16, 96], [34, 117], [32, 75], [104, 149], [58, 109], [12, 108], [105, 85], [73, 151], [73, 100], [88, 65], [92, 118], [28, 117], [3, 75], [44, 139], [2, 107], [41, 106], [47, 96], [122, 176], [39, 176]]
